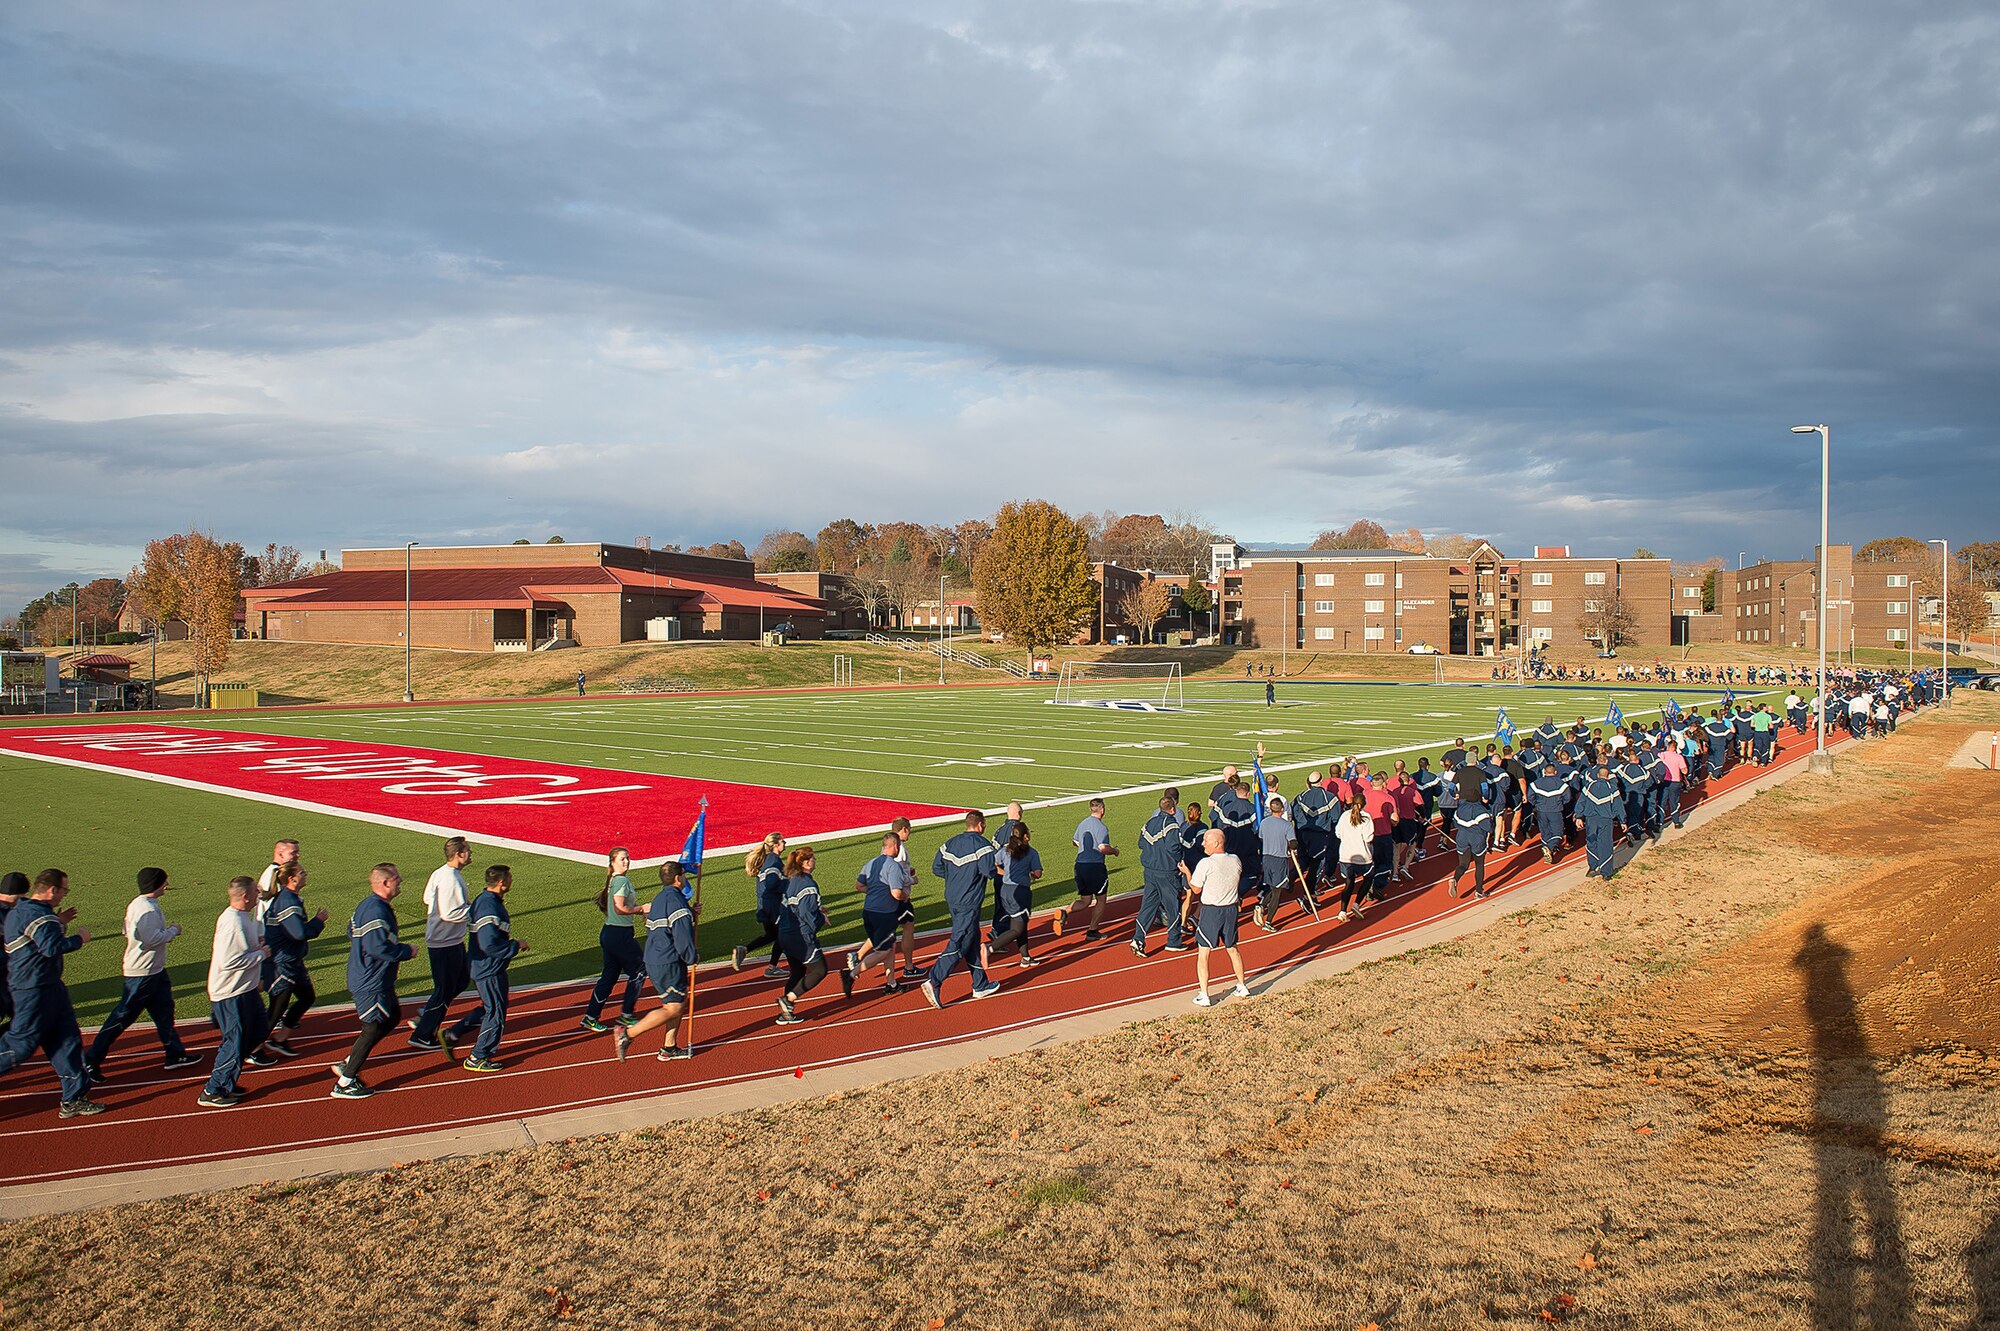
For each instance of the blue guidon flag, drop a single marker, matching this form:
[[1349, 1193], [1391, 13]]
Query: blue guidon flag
[[1673, 709], [697, 841], [1263, 791], [1729, 700], [1614, 718], [1505, 728]]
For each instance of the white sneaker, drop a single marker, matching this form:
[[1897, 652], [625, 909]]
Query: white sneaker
[[1241, 991], [1203, 1000]]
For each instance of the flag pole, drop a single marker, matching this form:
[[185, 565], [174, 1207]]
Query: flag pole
[[701, 821]]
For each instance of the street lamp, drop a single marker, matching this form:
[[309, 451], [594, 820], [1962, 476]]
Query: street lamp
[[1821, 760], [941, 643], [409, 693], [1944, 615]]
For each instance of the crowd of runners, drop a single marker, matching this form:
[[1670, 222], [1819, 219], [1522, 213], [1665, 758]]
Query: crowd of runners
[[1339, 843]]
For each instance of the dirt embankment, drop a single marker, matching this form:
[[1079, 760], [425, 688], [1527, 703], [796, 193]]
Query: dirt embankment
[[1749, 1082]]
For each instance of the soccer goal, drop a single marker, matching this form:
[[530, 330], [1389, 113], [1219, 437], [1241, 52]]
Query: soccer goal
[[1131, 686]]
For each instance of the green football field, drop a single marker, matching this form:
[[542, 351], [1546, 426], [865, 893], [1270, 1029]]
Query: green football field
[[962, 747]]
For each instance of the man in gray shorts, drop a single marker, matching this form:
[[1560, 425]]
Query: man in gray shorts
[[1218, 880]]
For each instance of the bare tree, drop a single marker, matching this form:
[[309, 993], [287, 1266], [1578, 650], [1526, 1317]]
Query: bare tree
[[1611, 625], [870, 596], [1146, 605]]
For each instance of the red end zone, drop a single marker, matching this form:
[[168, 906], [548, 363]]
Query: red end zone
[[576, 813]]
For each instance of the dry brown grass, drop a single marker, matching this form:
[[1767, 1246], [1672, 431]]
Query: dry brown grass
[[1750, 1082]]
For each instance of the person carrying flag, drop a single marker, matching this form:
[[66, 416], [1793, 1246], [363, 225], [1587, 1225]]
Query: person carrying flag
[[670, 956], [1277, 842]]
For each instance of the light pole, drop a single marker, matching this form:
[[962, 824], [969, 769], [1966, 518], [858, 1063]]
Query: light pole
[[1912, 635], [941, 626], [1821, 760], [409, 693], [1944, 615]]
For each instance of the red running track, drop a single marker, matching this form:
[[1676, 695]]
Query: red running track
[[551, 1065]]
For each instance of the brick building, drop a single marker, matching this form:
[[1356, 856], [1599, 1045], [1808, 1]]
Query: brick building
[[504, 598], [1775, 602], [1485, 604]]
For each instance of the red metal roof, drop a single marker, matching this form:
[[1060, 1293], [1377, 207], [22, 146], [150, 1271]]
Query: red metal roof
[[540, 587], [100, 661], [351, 589]]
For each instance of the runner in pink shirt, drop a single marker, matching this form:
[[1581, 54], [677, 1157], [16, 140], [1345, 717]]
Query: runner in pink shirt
[[1673, 770]]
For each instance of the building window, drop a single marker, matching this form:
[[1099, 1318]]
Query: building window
[[1540, 607], [1486, 598], [1323, 634], [1399, 582], [1322, 607], [1541, 633], [1322, 579], [1899, 580], [1895, 635], [1374, 632], [1399, 633], [1594, 579], [1374, 579], [1899, 607], [1371, 607], [1542, 579], [1690, 593], [1592, 607]]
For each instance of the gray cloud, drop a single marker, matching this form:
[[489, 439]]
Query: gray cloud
[[1551, 273]]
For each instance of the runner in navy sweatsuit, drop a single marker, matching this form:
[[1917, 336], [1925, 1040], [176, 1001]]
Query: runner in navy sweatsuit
[[375, 953], [37, 939], [967, 864], [670, 957], [490, 948]]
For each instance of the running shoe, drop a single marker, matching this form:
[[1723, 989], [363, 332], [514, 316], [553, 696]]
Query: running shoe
[[1139, 951], [790, 1019], [593, 1025], [931, 994], [480, 1065], [278, 1047], [892, 986], [737, 955], [212, 1100], [1060, 921], [621, 1040], [1203, 1000], [775, 972], [449, 1046], [986, 991], [259, 1059], [423, 1042], [1027, 960], [1241, 991], [1093, 935], [80, 1108], [180, 1060], [629, 1019], [351, 1089], [93, 1075], [673, 1052], [847, 983], [1180, 947], [785, 1004]]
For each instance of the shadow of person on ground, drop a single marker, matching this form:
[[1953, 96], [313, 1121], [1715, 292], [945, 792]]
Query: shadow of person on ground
[[1982, 1275], [1856, 1259]]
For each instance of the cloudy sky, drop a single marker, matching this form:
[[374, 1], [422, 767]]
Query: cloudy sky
[[364, 273]]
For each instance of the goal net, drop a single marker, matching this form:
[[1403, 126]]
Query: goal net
[[1132, 686]]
